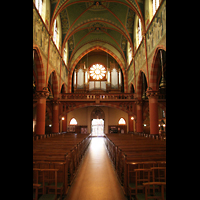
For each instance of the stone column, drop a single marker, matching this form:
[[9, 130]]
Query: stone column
[[41, 111], [153, 111]]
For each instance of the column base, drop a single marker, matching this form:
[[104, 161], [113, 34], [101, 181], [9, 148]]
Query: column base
[[154, 136]]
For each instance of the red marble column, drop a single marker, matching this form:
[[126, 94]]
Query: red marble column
[[55, 120], [41, 111], [139, 125], [153, 111]]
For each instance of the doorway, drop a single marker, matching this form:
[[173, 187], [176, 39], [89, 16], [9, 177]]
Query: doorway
[[97, 127]]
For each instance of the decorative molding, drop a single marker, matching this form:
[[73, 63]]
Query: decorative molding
[[152, 93], [42, 94]]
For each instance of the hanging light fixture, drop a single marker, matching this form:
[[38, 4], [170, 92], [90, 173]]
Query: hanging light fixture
[[163, 81]]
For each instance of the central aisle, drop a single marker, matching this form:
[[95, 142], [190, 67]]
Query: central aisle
[[96, 179]]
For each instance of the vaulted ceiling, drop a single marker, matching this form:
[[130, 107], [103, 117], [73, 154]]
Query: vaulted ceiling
[[89, 24]]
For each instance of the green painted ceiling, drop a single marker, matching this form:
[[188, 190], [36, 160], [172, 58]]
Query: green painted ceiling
[[86, 21]]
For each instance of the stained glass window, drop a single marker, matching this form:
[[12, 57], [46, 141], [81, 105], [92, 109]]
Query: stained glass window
[[139, 31], [122, 121], [97, 72], [38, 4], [55, 32], [155, 5], [73, 121]]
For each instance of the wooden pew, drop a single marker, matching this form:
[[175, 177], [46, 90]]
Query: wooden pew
[[125, 149], [67, 149]]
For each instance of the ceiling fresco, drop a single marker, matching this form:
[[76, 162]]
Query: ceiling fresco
[[105, 23]]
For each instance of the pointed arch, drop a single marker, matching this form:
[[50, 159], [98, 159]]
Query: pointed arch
[[63, 88], [55, 84], [39, 67], [139, 84], [73, 121], [154, 67], [97, 113], [132, 89], [89, 50], [122, 121]]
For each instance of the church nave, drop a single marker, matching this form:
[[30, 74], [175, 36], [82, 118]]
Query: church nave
[[96, 178]]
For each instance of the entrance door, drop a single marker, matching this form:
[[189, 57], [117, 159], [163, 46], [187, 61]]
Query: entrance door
[[97, 127]]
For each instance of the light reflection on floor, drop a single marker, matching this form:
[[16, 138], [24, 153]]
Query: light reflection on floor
[[96, 178]]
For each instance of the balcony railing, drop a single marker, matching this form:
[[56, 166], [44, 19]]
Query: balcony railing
[[97, 96], [102, 97]]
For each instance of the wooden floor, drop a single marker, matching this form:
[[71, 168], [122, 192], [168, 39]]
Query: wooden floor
[[96, 178]]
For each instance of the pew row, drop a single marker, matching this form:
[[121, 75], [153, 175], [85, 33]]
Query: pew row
[[63, 152], [139, 152]]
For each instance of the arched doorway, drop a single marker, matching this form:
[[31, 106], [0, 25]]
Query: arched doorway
[[97, 127], [97, 122]]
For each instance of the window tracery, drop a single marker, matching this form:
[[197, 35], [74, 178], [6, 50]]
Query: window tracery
[[97, 72]]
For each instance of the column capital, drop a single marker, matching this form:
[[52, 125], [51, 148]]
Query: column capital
[[138, 102], [42, 94], [56, 102], [152, 93]]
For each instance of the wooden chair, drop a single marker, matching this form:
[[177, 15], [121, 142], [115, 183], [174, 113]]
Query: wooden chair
[[157, 195], [39, 174], [131, 180], [60, 179], [54, 180], [141, 176], [158, 175], [35, 194]]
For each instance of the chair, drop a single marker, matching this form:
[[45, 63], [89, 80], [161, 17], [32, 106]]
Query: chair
[[131, 179], [141, 176], [50, 181], [157, 195], [60, 179], [35, 194], [159, 175], [40, 165]]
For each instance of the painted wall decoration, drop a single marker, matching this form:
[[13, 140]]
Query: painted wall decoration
[[41, 39], [64, 21], [140, 58], [157, 29], [40, 34], [130, 20], [155, 35], [130, 74]]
